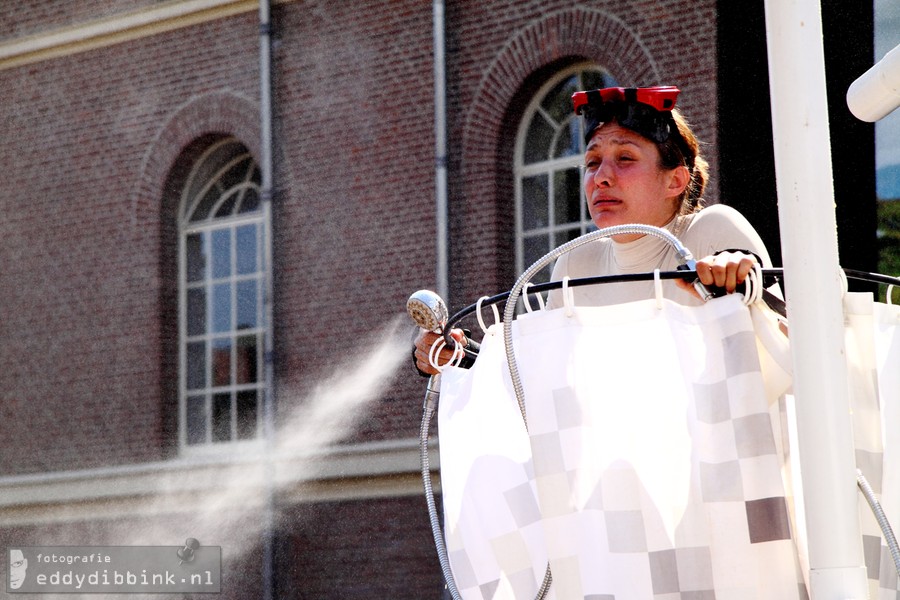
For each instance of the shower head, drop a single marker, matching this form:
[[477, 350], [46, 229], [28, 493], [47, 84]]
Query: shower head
[[428, 310]]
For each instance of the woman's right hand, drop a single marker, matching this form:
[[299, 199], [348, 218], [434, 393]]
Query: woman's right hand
[[725, 270], [423, 344]]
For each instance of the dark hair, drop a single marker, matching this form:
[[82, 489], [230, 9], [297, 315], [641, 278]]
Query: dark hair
[[683, 149]]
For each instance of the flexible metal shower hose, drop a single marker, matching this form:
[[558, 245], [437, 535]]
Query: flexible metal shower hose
[[443, 559], [882, 519], [683, 255], [684, 258], [434, 385]]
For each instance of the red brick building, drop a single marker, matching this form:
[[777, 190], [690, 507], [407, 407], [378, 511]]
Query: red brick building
[[169, 273]]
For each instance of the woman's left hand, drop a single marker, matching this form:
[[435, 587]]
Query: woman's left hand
[[724, 270]]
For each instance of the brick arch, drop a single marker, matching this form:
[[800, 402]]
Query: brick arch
[[558, 38], [155, 200], [219, 113], [588, 34]]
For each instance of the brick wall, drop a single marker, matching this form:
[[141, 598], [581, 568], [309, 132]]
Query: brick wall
[[89, 287], [378, 548], [95, 148], [235, 533], [359, 550], [18, 19], [82, 320], [355, 214]]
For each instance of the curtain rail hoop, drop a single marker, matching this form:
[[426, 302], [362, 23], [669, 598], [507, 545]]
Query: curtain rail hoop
[[769, 276]]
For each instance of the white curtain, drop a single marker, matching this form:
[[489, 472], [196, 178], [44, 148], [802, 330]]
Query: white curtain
[[873, 351], [652, 465]]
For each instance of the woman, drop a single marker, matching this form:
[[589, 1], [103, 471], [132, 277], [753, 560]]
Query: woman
[[642, 164]]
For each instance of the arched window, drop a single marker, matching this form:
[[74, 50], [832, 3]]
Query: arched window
[[550, 207], [221, 229]]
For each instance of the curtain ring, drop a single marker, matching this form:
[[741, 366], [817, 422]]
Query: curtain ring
[[568, 297], [753, 285], [527, 302], [480, 318], [434, 353], [525, 299], [657, 288]]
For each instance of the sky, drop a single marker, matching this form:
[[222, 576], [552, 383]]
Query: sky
[[887, 36]]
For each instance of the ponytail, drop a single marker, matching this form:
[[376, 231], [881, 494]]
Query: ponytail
[[683, 149]]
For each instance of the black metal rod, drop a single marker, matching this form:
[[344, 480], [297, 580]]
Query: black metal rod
[[872, 277], [768, 275]]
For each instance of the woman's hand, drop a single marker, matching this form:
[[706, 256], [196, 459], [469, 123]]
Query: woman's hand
[[724, 270], [423, 343]]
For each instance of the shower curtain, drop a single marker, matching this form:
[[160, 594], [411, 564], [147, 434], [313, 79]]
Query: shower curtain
[[655, 463], [873, 353]]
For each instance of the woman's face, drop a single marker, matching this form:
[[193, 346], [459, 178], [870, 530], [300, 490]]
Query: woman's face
[[624, 183]]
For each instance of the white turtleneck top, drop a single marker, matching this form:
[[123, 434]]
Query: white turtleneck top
[[717, 227]]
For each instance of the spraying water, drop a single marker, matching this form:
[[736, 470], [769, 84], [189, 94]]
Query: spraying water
[[325, 416], [337, 403], [226, 506]]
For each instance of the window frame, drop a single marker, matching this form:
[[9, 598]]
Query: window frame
[[192, 197], [551, 167]]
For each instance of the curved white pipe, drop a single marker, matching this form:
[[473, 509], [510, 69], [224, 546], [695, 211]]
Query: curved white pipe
[[876, 93]]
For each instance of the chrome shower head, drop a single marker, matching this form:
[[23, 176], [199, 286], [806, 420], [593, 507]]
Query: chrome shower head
[[428, 310]]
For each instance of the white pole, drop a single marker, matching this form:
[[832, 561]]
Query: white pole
[[814, 297]]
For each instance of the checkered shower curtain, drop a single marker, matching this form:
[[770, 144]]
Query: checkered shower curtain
[[873, 351], [651, 466]]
